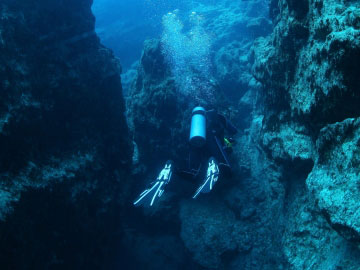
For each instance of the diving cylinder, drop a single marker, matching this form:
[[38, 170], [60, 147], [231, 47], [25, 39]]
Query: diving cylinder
[[198, 127]]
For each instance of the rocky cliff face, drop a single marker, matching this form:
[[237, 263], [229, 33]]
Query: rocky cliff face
[[308, 69], [154, 107], [318, 43], [65, 148]]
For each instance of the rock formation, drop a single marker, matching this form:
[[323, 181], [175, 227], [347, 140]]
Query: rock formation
[[65, 149], [307, 68]]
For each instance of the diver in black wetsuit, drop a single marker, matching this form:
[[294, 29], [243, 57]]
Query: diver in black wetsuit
[[207, 144]]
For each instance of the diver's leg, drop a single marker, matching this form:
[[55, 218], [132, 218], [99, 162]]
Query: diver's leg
[[221, 151], [212, 176], [145, 193], [224, 163], [148, 196], [193, 165]]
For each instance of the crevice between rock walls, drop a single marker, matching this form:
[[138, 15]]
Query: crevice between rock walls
[[292, 201]]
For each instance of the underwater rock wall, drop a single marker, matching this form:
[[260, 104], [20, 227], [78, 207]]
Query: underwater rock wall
[[319, 47], [155, 110], [308, 70], [65, 148], [234, 25]]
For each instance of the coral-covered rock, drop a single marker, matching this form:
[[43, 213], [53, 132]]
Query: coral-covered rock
[[156, 251], [307, 68], [309, 242], [208, 231], [156, 109], [335, 181], [288, 142], [233, 68], [234, 27], [308, 64], [65, 147]]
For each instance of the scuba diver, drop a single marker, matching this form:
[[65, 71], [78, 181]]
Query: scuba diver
[[209, 145]]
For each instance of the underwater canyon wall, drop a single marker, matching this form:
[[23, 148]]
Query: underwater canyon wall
[[309, 72], [65, 148]]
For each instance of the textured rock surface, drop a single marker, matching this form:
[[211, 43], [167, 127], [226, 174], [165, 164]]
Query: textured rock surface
[[208, 231], [307, 68], [155, 108], [308, 63], [288, 142], [335, 178], [234, 26], [309, 242], [64, 139], [240, 224]]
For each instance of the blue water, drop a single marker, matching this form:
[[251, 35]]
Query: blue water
[[189, 43], [188, 53], [127, 24]]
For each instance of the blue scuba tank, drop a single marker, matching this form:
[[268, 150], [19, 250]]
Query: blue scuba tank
[[198, 127]]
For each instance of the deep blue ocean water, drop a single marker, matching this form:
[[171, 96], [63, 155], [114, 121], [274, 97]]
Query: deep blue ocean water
[[127, 24]]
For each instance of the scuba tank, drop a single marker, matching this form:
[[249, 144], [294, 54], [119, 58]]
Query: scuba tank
[[198, 127]]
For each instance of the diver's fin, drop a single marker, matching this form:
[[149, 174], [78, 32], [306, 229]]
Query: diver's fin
[[212, 176], [149, 196]]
